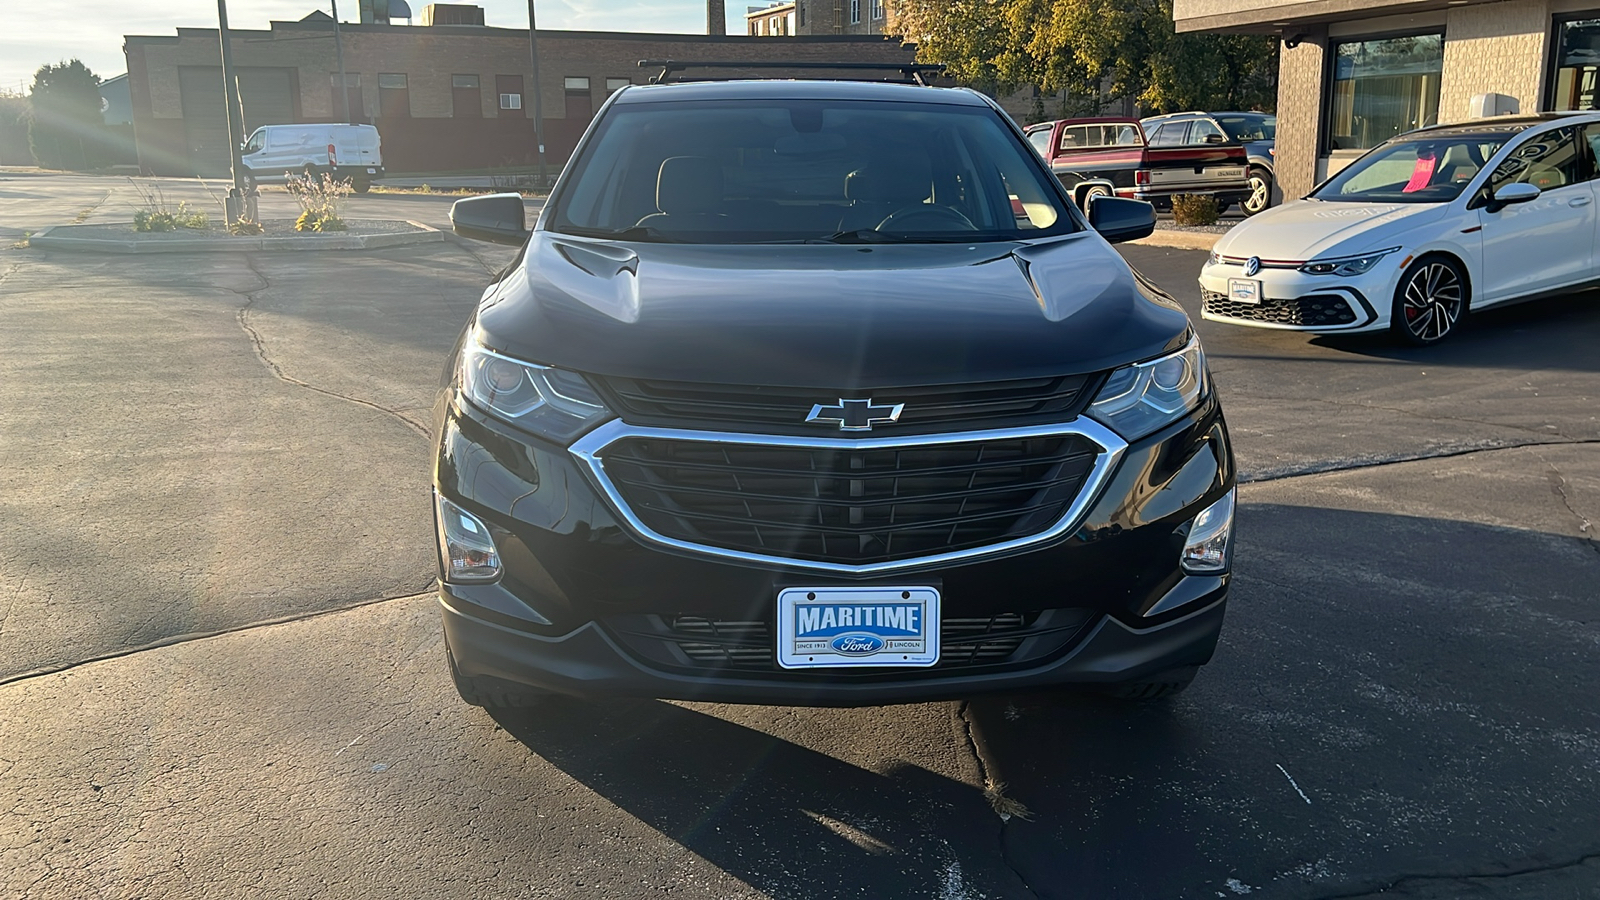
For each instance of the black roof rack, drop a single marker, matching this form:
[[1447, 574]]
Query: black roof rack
[[911, 73]]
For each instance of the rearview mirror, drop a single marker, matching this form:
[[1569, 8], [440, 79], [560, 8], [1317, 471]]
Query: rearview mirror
[[1119, 219], [1214, 138], [1518, 192], [496, 218]]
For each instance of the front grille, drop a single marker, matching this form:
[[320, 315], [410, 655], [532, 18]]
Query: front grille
[[849, 506], [1315, 310], [783, 410]]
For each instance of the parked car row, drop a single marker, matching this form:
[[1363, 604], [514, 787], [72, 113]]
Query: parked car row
[[1225, 155]]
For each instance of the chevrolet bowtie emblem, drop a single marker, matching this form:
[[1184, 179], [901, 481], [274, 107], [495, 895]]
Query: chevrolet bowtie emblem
[[856, 415]]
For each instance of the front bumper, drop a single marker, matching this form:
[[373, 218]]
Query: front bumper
[[1294, 301], [586, 603]]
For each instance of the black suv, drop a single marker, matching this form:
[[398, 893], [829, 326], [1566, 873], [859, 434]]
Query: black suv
[[814, 392]]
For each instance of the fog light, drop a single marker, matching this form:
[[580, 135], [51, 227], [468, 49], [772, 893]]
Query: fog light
[[1206, 551], [464, 544]]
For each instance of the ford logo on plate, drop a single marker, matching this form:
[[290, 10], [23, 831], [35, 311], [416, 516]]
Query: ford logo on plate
[[856, 644]]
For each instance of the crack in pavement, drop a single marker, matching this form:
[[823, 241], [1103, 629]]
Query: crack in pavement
[[1372, 462], [258, 343], [1558, 486], [1388, 886], [1426, 417], [991, 790], [191, 637]]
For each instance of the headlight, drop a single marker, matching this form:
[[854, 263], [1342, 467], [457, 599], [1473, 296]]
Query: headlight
[[465, 546], [1141, 399], [548, 401], [1347, 266], [1205, 551]]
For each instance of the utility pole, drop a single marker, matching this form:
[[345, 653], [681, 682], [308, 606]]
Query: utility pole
[[338, 50], [538, 101], [234, 204]]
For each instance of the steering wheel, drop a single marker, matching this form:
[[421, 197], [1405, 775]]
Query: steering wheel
[[933, 218]]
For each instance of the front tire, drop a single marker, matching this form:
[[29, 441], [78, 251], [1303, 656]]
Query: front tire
[[1260, 192], [361, 185], [492, 693], [1431, 301]]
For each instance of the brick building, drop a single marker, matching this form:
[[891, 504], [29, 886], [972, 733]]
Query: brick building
[[789, 17], [1353, 73], [444, 97]]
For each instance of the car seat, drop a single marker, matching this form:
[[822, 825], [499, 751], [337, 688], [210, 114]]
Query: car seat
[[881, 187], [689, 195]]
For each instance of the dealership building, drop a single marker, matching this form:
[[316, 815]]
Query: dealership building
[[448, 94], [1353, 73]]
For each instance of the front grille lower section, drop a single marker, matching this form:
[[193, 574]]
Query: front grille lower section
[[1311, 311], [848, 506], [745, 647], [783, 410]]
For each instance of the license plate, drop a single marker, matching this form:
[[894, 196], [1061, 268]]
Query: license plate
[[372, 171], [1244, 290], [840, 627]]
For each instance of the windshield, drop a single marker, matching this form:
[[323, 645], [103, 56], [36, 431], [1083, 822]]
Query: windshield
[[801, 170], [1423, 169], [1242, 129]]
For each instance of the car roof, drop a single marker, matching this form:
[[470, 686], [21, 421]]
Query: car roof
[[798, 89], [1500, 124]]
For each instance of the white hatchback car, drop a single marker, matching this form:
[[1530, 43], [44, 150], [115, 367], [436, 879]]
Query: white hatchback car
[[1420, 230]]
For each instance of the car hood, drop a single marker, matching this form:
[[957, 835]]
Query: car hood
[[828, 315], [1312, 229]]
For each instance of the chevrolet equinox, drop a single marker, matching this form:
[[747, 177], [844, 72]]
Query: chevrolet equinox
[[823, 393]]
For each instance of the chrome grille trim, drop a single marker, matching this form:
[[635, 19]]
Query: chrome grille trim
[[589, 451]]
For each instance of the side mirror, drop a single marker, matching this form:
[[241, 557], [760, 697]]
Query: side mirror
[[1214, 138], [496, 218], [1518, 192], [1119, 219]]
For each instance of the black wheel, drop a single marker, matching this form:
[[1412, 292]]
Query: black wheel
[[1260, 192], [1431, 301], [311, 174], [1094, 192], [1163, 684], [492, 693], [361, 185]]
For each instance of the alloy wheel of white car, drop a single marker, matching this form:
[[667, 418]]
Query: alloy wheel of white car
[[1430, 301]]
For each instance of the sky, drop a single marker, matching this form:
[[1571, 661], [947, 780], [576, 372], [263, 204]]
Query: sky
[[35, 32]]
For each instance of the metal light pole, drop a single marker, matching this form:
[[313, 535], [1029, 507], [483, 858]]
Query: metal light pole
[[338, 50], [233, 205], [538, 102]]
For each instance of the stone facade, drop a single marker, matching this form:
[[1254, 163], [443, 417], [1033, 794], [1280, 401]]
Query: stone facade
[[1300, 112], [1494, 47], [423, 130]]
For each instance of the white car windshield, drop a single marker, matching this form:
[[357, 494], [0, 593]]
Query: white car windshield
[[718, 172], [1420, 169]]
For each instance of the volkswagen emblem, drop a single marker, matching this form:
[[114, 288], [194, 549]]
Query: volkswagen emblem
[[1252, 266], [856, 415]]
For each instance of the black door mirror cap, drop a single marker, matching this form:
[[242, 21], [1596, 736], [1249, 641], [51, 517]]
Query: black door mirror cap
[[1119, 219], [496, 218]]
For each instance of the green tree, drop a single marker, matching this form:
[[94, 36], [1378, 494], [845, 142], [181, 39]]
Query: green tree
[[1096, 50], [68, 130], [14, 130]]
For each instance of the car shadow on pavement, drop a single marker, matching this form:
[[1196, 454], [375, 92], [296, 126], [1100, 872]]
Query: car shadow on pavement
[[1553, 333]]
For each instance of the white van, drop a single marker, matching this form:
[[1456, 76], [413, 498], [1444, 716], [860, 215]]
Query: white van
[[344, 151]]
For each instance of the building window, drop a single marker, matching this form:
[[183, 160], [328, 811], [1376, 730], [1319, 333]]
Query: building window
[[877, 10], [855, 12], [575, 84], [394, 98], [466, 97], [580, 103], [1381, 88], [509, 87], [616, 84], [1577, 64]]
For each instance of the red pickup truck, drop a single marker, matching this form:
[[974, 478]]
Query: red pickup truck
[[1102, 157]]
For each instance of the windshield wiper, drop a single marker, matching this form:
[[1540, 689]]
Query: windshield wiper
[[869, 236], [636, 233]]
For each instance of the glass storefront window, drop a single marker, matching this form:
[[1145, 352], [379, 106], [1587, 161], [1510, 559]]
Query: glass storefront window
[[1384, 87], [1577, 65]]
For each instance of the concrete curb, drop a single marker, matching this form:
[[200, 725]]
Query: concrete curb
[[58, 237], [1180, 240]]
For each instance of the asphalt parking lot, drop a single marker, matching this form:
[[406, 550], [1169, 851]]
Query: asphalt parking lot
[[222, 675]]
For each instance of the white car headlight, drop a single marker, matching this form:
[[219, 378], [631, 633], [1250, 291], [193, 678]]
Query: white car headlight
[[1346, 265], [1140, 399], [548, 401]]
